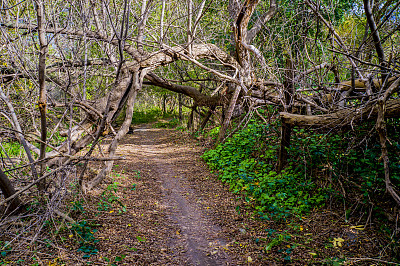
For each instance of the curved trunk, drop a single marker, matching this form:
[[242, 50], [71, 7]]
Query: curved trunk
[[8, 190]]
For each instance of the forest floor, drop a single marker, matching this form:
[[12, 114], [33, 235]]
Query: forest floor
[[162, 206], [178, 213]]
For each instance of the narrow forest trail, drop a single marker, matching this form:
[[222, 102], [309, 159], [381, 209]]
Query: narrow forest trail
[[177, 212], [196, 239]]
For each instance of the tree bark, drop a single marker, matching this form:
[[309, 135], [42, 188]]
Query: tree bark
[[228, 115], [381, 129], [191, 118], [180, 106], [19, 135], [343, 117], [164, 104], [286, 128], [206, 118], [42, 87], [8, 190]]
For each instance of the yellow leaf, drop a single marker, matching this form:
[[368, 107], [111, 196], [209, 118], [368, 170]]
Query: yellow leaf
[[129, 225], [177, 232], [249, 259], [111, 211], [337, 242], [71, 236], [358, 227], [313, 254]]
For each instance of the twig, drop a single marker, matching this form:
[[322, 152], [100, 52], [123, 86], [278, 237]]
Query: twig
[[63, 215], [83, 158], [33, 183], [372, 259]]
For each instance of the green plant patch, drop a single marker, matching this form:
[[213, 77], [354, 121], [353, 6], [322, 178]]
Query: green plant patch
[[109, 198], [146, 116], [85, 237], [11, 149], [169, 124], [246, 162], [151, 115]]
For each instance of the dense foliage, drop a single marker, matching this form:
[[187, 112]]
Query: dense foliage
[[247, 162], [344, 166]]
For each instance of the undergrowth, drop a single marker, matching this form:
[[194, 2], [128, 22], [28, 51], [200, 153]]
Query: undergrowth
[[169, 124], [338, 165], [10, 149], [150, 115], [246, 161]]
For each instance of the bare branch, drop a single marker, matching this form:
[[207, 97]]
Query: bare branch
[[273, 8]]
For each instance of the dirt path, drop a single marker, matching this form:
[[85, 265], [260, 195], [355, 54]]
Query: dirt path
[[172, 215], [199, 233]]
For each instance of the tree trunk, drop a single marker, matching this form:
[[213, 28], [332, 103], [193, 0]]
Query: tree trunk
[[42, 103], [206, 118], [20, 136], [137, 81], [343, 117], [381, 129], [228, 115], [286, 128], [164, 104], [8, 190], [180, 106], [191, 118]]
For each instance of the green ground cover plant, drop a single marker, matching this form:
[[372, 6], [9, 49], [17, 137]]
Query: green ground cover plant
[[322, 165], [12, 149], [246, 161], [85, 237], [146, 116]]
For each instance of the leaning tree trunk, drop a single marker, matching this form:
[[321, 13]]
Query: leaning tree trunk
[[8, 190], [206, 118], [137, 82], [228, 115]]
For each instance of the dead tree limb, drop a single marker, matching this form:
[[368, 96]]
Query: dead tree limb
[[19, 134], [381, 129], [344, 117]]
